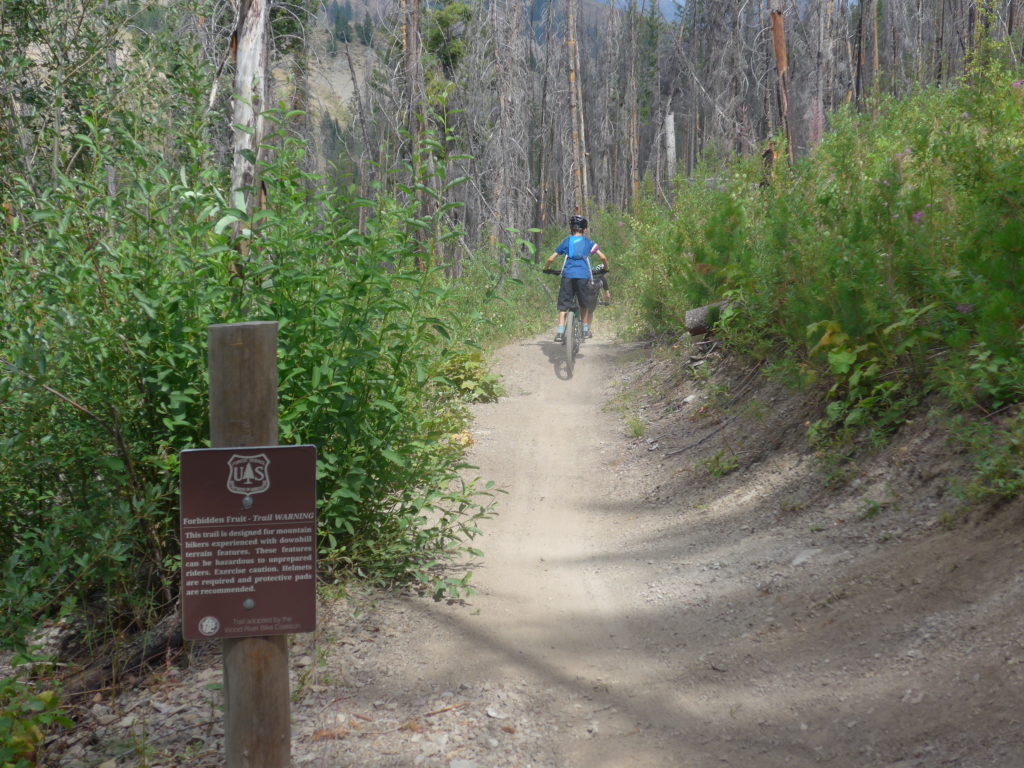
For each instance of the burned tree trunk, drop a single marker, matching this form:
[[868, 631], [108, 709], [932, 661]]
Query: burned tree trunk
[[670, 145], [782, 64], [575, 107]]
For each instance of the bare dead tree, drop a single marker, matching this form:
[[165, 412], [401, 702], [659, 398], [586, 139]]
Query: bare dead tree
[[576, 106], [251, 90], [822, 65], [670, 142], [546, 126], [782, 65], [633, 102]]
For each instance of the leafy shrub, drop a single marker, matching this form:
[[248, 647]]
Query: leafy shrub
[[998, 452], [27, 713], [721, 463], [104, 381], [498, 303], [888, 263], [470, 376]]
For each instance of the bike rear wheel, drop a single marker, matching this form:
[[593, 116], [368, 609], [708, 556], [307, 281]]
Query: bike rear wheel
[[571, 344]]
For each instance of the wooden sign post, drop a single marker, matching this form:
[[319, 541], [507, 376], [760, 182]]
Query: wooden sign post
[[243, 412]]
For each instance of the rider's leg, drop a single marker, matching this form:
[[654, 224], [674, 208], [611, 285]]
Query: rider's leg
[[565, 290], [561, 323], [583, 300], [589, 292]]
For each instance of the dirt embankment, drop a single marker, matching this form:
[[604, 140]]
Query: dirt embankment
[[701, 594]]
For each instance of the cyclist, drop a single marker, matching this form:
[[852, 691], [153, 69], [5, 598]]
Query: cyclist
[[606, 297], [577, 276], [597, 293]]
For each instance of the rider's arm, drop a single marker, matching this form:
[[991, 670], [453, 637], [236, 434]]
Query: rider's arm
[[603, 258], [551, 259]]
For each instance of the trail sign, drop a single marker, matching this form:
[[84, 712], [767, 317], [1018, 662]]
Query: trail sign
[[248, 541]]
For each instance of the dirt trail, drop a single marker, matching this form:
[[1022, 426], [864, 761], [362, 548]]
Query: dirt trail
[[636, 607], [696, 597], [559, 594], [558, 647]]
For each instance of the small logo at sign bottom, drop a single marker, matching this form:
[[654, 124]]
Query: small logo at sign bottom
[[208, 625]]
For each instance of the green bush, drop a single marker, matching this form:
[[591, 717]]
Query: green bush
[[27, 713], [890, 260], [103, 380], [919, 205], [495, 304]]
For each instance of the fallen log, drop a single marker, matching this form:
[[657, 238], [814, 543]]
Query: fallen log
[[702, 319], [111, 664]]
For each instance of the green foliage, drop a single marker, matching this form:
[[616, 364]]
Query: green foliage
[[103, 377], [360, 350], [78, 108], [364, 31], [886, 264], [118, 248], [445, 35], [721, 463], [984, 380], [27, 713], [288, 19], [875, 382], [872, 509], [468, 374], [998, 451], [342, 30], [495, 306]]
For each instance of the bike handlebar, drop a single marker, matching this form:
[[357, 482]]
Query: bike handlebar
[[598, 270]]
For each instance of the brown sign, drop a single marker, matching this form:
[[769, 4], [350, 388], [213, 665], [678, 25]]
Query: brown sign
[[248, 541]]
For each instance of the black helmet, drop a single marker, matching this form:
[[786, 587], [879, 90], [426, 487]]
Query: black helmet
[[577, 223]]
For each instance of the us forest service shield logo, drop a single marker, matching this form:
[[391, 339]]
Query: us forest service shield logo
[[248, 475]]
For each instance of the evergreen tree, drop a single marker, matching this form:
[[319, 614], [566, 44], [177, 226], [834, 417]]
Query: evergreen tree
[[365, 31], [446, 34], [342, 29]]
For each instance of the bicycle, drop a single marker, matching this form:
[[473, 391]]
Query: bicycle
[[573, 336]]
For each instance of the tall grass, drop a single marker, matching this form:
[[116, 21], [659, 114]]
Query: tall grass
[[497, 303]]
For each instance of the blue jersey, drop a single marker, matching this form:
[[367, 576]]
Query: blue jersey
[[578, 249]]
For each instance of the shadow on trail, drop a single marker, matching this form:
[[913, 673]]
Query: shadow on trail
[[787, 674], [555, 353], [600, 696], [749, 620]]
